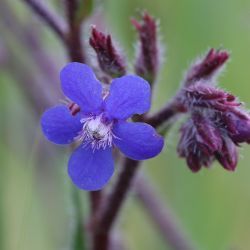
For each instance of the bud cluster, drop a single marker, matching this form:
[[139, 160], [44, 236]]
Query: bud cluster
[[217, 122]]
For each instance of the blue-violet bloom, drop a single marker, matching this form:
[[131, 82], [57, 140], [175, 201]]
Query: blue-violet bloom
[[100, 124]]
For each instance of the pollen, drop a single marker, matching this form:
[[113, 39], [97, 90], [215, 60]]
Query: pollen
[[96, 132]]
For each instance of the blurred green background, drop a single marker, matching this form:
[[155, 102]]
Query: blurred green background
[[36, 209]]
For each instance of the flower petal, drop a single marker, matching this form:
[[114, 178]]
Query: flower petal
[[138, 141], [59, 126], [91, 170], [81, 86], [128, 95]]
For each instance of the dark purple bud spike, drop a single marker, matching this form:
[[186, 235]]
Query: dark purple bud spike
[[228, 156], [193, 163], [147, 62], [207, 134], [200, 139], [204, 96], [110, 61], [206, 68], [237, 125]]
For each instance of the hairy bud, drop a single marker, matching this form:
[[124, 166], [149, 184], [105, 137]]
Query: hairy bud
[[217, 125], [109, 59], [206, 68], [236, 123], [147, 62], [204, 96], [228, 155], [200, 140]]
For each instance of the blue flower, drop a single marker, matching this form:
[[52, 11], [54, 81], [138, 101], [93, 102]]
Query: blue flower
[[100, 124]]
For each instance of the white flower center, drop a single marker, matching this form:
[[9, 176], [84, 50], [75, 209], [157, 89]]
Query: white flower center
[[96, 132]]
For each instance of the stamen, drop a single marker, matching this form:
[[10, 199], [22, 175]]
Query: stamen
[[96, 132]]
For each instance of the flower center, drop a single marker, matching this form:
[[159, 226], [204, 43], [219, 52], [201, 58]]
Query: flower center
[[96, 132]]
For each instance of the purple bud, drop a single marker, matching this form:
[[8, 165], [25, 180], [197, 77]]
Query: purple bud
[[147, 63], [228, 155], [109, 59], [207, 135], [74, 108], [237, 124], [207, 67], [204, 96], [200, 139], [196, 160]]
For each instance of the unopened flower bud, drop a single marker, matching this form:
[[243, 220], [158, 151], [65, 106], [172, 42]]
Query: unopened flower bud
[[206, 68], [147, 62], [74, 108], [110, 61], [228, 155], [200, 139], [195, 161], [207, 135], [204, 96], [237, 124]]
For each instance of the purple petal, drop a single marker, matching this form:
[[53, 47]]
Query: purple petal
[[90, 170], [59, 126], [138, 141], [128, 95], [81, 86]]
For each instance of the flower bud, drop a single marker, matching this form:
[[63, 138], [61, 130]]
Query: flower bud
[[109, 59], [200, 139], [74, 108], [202, 96], [207, 135], [147, 62], [196, 160], [206, 68], [237, 124], [228, 155]]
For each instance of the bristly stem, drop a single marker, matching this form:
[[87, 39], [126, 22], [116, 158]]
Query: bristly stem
[[161, 215], [48, 17], [107, 214], [165, 114], [119, 193]]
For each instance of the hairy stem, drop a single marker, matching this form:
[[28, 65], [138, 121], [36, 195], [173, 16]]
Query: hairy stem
[[48, 17], [108, 213], [163, 115]]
